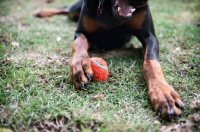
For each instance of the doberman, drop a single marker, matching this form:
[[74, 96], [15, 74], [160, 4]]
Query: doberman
[[109, 24]]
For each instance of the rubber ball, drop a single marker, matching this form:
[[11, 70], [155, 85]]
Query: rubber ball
[[99, 68]]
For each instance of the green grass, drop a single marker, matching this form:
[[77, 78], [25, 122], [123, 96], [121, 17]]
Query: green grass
[[35, 83]]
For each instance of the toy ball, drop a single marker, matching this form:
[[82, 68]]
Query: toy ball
[[99, 68]]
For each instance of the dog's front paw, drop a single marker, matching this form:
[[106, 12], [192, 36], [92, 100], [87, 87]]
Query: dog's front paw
[[165, 99], [81, 71]]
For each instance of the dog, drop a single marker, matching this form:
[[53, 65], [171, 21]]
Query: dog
[[110, 24]]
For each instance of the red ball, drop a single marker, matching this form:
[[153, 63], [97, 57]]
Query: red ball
[[99, 68]]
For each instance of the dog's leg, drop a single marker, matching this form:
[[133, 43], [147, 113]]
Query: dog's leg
[[73, 10], [163, 96], [80, 67], [50, 12]]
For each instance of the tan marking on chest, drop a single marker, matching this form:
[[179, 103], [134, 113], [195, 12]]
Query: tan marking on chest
[[137, 20], [91, 25]]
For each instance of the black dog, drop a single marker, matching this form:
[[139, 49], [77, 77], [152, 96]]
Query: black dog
[[109, 24]]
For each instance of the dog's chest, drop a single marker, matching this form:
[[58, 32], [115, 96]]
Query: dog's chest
[[109, 39]]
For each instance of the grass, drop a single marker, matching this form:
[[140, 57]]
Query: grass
[[36, 91]]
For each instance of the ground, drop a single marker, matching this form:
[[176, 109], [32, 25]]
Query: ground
[[36, 91]]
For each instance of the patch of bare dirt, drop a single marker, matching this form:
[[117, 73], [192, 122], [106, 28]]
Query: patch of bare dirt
[[40, 60], [5, 114], [7, 19], [195, 103], [53, 125], [98, 96], [189, 125], [64, 124], [192, 123]]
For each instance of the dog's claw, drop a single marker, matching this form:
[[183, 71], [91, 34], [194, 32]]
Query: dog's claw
[[82, 84], [167, 118], [159, 111], [89, 77], [178, 115], [179, 105]]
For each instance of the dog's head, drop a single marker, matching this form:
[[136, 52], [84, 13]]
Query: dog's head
[[123, 9]]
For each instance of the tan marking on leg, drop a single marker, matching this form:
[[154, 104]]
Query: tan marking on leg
[[161, 94], [49, 12], [80, 64]]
